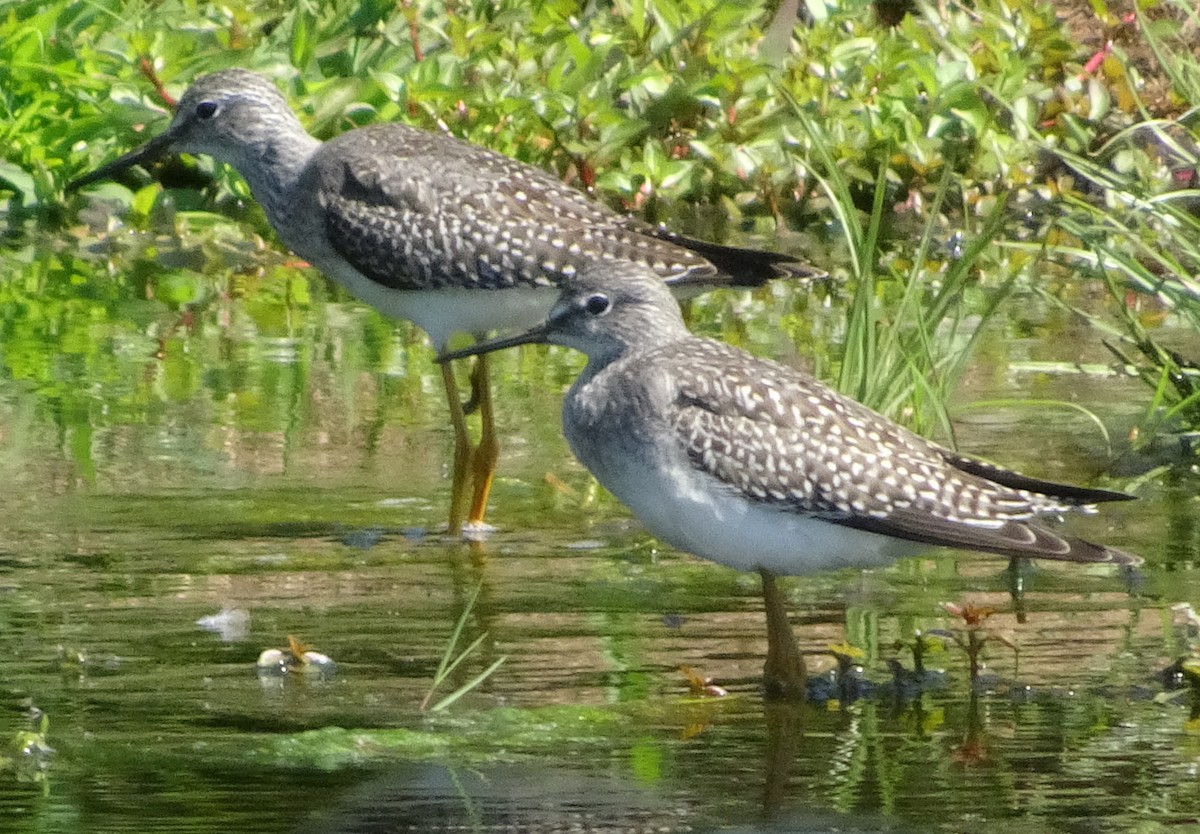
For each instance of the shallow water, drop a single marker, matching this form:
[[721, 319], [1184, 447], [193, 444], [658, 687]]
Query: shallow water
[[173, 446]]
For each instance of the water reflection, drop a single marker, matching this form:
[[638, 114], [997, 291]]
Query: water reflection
[[515, 797], [534, 800], [174, 445]]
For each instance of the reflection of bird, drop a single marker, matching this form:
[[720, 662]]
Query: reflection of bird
[[452, 236], [758, 466], [556, 799], [513, 797]]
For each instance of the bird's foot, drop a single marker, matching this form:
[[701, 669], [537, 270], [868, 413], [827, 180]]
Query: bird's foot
[[477, 531]]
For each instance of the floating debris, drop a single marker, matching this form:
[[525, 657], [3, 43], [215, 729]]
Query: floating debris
[[701, 686], [232, 625], [296, 658]]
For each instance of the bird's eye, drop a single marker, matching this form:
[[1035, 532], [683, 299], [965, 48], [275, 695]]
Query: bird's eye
[[597, 305], [206, 109]]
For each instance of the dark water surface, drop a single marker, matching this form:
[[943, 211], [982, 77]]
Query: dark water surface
[[174, 446]]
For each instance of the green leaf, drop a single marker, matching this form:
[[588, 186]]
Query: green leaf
[[19, 181]]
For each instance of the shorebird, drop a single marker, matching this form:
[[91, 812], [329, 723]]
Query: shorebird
[[758, 466], [449, 235]]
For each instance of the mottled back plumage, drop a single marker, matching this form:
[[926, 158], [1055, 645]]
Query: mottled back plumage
[[445, 213]]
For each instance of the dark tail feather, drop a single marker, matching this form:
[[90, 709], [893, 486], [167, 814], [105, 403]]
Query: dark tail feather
[[1013, 480], [744, 267], [1014, 538], [1085, 552]]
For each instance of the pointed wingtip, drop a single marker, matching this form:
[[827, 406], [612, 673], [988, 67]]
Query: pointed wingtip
[[1123, 558], [1077, 496], [742, 266], [800, 271], [774, 268], [1086, 552], [1012, 538]]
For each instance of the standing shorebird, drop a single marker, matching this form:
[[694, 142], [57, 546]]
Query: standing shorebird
[[758, 466], [422, 226]]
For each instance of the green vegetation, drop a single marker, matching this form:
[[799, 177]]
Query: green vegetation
[[452, 658], [27, 754], [937, 166]]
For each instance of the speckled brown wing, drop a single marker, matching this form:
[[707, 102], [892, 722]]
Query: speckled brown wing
[[779, 437], [444, 213]]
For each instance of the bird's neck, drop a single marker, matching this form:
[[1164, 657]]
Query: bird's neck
[[273, 166], [600, 355], [603, 356]]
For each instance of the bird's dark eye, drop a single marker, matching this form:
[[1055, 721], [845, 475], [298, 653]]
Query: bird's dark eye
[[206, 109], [597, 305]]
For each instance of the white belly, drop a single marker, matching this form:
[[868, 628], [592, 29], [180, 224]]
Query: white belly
[[442, 313], [725, 527]]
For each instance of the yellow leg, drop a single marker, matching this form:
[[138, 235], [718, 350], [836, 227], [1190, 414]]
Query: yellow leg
[[784, 674], [485, 455], [462, 452]]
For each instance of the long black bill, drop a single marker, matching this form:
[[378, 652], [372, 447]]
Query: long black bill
[[152, 150], [535, 336]]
